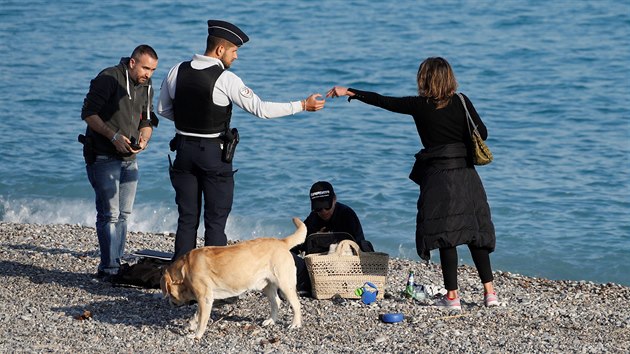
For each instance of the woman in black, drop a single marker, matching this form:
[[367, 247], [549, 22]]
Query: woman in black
[[452, 207]]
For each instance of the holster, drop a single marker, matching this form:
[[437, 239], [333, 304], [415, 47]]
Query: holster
[[230, 140], [88, 150], [172, 145]]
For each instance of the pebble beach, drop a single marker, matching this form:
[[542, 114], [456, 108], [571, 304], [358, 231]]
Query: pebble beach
[[50, 302]]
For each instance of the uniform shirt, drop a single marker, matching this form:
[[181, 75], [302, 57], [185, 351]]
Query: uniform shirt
[[228, 88]]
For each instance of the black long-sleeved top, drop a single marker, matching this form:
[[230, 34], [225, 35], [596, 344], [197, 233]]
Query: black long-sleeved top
[[343, 219], [436, 127]]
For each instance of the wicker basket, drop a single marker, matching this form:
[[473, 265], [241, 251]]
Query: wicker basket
[[339, 274]]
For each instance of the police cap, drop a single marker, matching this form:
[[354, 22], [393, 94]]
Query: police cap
[[227, 31]]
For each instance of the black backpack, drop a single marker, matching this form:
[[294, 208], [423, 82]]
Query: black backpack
[[146, 273]]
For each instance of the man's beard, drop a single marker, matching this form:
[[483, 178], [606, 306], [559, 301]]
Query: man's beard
[[225, 63]]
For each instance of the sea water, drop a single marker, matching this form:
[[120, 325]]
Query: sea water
[[550, 79]]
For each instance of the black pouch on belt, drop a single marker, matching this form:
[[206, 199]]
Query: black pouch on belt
[[88, 151], [230, 140], [172, 145]]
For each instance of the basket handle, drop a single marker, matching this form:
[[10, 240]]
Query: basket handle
[[345, 245]]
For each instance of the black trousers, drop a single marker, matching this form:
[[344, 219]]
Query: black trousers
[[448, 259], [200, 176], [303, 280]]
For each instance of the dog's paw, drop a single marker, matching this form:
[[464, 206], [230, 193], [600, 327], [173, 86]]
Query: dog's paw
[[192, 326], [193, 336], [295, 325], [268, 322]]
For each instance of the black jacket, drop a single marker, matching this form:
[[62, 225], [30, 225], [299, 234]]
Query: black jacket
[[452, 208], [122, 105], [343, 219]]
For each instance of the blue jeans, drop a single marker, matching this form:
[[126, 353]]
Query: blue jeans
[[114, 182]]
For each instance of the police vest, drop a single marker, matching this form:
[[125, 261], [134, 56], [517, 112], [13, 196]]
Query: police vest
[[194, 108]]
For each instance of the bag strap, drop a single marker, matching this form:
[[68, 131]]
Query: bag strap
[[469, 119]]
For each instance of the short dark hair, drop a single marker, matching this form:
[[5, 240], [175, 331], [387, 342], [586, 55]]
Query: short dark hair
[[144, 49], [213, 42]]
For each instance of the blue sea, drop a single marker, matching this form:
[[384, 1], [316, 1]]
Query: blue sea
[[550, 79]]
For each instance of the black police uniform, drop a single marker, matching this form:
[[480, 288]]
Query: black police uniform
[[198, 170], [197, 95]]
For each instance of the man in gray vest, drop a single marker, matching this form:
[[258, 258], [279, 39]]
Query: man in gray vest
[[198, 96], [119, 114]]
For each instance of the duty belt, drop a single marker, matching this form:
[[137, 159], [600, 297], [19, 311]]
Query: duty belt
[[198, 138]]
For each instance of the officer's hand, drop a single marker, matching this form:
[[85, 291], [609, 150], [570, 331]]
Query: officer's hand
[[313, 104]]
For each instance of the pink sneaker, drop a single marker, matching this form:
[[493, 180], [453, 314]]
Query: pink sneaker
[[452, 304], [491, 299]]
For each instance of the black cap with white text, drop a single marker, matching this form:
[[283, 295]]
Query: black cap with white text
[[322, 194]]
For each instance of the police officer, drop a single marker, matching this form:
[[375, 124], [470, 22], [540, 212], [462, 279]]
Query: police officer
[[198, 96]]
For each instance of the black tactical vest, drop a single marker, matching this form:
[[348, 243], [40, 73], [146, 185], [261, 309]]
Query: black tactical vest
[[195, 111]]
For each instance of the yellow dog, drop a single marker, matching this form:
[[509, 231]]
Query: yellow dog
[[218, 272]]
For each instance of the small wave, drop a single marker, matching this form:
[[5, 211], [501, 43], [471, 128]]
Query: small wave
[[148, 217]]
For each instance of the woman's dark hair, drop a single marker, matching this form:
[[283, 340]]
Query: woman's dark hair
[[436, 81]]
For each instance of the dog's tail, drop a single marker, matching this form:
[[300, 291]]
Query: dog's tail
[[299, 236]]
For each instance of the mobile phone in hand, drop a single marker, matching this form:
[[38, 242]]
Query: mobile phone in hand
[[134, 144]]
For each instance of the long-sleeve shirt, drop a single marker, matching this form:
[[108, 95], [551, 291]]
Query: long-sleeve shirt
[[228, 88], [343, 219]]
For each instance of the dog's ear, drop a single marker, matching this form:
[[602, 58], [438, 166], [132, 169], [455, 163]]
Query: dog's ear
[[165, 284], [183, 270], [179, 269]]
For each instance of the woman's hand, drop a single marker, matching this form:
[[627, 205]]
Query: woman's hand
[[339, 91]]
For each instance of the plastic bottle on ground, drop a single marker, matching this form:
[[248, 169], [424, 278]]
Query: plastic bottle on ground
[[409, 288]]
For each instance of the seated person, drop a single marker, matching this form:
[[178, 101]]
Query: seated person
[[327, 215]]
